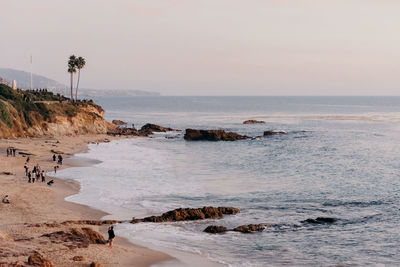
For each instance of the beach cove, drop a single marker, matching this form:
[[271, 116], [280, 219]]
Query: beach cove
[[39, 203]]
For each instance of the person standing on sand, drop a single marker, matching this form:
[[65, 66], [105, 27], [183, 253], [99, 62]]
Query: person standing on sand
[[26, 169], [43, 178], [29, 177], [27, 159], [54, 157], [111, 235]]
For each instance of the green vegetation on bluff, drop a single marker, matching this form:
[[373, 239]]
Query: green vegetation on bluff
[[28, 108]]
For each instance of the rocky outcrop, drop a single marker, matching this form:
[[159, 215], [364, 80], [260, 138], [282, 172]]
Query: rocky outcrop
[[118, 122], [212, 135], [270, 132], [122, 131], [37, 259], [76, 237], [146, 130], [189, 214], [253, 122], [78, 222], [250, 228], [215, 229], [321, 220]]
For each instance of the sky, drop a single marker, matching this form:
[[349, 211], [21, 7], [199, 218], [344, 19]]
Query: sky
[[210, 47]]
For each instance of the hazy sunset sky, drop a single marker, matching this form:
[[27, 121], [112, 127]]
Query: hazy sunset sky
[[210, 47]]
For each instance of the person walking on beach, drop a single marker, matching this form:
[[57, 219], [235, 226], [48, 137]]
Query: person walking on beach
[[54, 157], [8, 151], [27, 159], [26, 169], [29, 177], [111, 235], [43, 177]]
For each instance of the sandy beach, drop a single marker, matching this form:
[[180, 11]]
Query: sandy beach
[[38, 203]]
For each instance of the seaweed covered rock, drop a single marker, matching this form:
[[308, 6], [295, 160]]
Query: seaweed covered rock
[[212, 135]]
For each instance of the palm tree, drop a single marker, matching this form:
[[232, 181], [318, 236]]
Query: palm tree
[[80, 63], [72, 70]]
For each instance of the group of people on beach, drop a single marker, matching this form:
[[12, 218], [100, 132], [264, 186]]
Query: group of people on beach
[[37, 174], [11, 151]]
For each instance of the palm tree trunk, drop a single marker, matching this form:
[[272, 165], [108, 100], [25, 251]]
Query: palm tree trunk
[[77, 85], [72, 94]]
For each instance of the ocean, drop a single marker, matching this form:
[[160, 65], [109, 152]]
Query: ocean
[[339, 159]]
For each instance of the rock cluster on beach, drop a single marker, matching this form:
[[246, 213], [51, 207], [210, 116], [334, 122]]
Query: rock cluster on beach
[[212, 135], [76, 237], [37, 259]]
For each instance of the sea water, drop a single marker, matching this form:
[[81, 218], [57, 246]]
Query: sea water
[[339, 158]]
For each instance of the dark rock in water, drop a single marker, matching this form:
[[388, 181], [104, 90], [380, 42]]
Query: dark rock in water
[[146, 130], [270, 132], [37, 259], [252, 122], [124, 131], [320, 220], [119, 122], [249, 228], [215, 229], [189, 214], [212, 135], [149, 127]]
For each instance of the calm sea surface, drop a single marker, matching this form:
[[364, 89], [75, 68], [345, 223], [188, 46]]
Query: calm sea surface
[[339, 159]]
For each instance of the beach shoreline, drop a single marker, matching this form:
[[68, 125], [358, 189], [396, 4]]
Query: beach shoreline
[[38, 203]]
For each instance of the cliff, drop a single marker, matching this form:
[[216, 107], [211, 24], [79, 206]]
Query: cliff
[[31, 113]]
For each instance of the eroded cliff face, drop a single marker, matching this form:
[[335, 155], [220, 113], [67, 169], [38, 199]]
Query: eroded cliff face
[[62, 119]]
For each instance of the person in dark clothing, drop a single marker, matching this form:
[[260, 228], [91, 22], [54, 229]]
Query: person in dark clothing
[[43, 178], [8, 152], [54, 157], [60, 159], [29, 177], [111, 235], [27, 159], [13, 151]]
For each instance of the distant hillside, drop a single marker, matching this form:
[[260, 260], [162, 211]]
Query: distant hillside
[[23, 79], [89, 93], [38, 81]]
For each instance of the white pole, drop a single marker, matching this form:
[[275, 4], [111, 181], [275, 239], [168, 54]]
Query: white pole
[[31, 72]]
